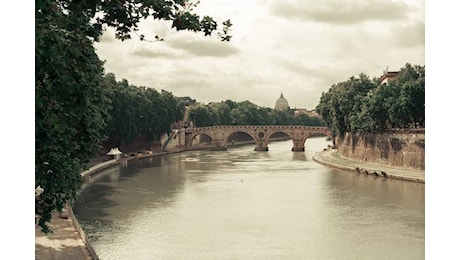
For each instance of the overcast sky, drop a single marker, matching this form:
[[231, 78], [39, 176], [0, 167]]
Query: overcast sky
[[297, 47]]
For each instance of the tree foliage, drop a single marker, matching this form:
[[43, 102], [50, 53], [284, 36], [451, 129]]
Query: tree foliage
[[72, 106], [91, 18], [229, 112], [362, 105], [70, 114], [139, 112]]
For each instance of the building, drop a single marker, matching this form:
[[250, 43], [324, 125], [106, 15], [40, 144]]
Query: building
[[304, 111], [281, 104], [387, 76]]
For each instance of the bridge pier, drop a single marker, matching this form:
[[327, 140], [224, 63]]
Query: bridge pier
[[261, 149], [261, 146], [219, 145], [298, 145], [218, 148]]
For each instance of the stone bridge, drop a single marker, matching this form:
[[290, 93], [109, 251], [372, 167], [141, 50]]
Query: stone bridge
[[260, 133]]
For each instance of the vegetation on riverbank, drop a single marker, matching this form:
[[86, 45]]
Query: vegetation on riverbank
[[229, 112], [71, 104], [364, 105]]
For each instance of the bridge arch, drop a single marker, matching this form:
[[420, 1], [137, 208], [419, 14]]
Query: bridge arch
[[200, 139], [221, 135], [272, 133], [237, 137]]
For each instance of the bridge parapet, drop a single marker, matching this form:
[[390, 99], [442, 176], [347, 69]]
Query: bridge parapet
[[247, 127], [260, 133]]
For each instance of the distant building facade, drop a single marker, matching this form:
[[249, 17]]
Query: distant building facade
[[281, 104], [387, 76], [304, 111]]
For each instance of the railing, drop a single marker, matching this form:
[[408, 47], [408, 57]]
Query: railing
[[245, 127]]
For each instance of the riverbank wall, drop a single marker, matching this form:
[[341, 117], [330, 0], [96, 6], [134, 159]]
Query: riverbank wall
[[404, 148], [330, 158]]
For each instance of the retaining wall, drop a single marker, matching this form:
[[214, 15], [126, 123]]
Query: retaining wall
[[403, 148]]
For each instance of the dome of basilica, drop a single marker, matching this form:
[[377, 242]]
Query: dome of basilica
[[281, 103]]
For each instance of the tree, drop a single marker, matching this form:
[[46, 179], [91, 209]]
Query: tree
[[70, 115], [280, 117], [221, 112], [170, 111], [249, 113], [411, 80], [201, 116], [360, 105], [306, 120], [139, 113], [71, 104]]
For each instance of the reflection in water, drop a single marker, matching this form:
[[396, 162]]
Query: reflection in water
[[241, 204], [299, 157]]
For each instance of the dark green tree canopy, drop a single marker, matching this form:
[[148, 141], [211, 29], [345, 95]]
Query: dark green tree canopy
[[70, 115], [229, 112], [139, 112], [72, 104], [90, 18], [362, 105]]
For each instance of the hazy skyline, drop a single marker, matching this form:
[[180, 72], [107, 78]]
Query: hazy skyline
[[299, 48]]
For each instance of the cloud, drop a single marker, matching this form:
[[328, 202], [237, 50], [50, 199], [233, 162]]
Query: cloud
[[204, 47], [340, 11], [299, 68], [108, 37], [410, 35], [296, 47], [315, 74], [150, 53]]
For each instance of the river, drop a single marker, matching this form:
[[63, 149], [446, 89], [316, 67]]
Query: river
[[241, 204]]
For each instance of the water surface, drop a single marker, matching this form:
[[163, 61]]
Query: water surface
[[241, 204]]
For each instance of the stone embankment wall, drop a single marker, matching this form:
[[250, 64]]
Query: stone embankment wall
[[399, 148]]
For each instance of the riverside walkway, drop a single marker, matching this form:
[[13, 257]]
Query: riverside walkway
[[331, 158], [64, 243]]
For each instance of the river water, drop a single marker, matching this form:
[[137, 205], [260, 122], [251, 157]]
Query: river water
[[241, 204]]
